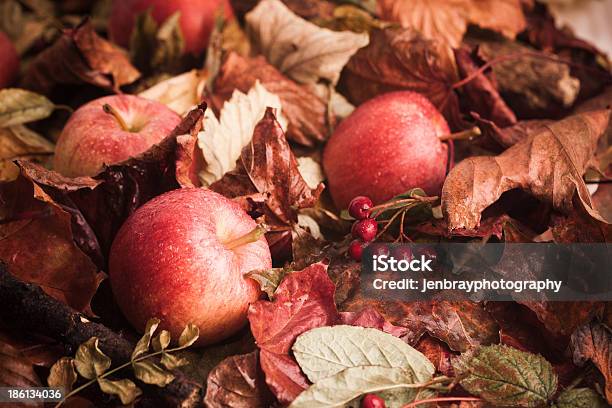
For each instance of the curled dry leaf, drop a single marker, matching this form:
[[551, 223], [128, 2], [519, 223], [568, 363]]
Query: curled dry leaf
[[448, 20], [62, 374], [301, 50], [223, 139], [401, 59], [18, 106], [593, 342], [267, 166], [549, 165], [510, 135], [305, 111], [237, 381], [80, 56], [180, 93]]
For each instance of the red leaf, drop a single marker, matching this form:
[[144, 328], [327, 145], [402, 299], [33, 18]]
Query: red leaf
[[593, 342], [283, 375], [370, 317], [304, 300]]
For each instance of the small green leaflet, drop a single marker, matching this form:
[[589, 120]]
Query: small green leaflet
[[18, 106], [506, 376], [126, 390], [326, 351], [342, 388]]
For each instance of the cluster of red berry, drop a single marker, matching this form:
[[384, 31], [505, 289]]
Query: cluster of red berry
[[364, 229], [372, 401]]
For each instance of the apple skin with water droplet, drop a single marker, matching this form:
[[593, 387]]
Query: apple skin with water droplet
[[197, 19], [387, 146], [9, 61], [93, 138], [171, 260]]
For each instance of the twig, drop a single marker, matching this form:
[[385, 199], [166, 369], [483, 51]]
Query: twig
[[441, 399]]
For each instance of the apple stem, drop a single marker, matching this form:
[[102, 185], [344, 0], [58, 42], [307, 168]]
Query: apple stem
[[463, 135], [248, 238], [112, 111]]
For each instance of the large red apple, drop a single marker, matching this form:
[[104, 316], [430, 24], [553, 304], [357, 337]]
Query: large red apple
[[197, 18], [9, 61], [387, 146], [182, 257], [109, 130]]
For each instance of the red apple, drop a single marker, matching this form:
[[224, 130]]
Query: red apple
[[182, 257], [197, 18], [110, 130], [387, 146], [9, 61]]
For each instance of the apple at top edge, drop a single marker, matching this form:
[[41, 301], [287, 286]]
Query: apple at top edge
[[9, 61], [197, 19], [109, 130]]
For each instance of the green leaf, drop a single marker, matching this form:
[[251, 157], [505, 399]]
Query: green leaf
[[162, 341], [189, 336], [18, 106], [150, 373], [170, 42], [145, 341], [506, 376], [326, 351], [125, 389], [268, 279], [344, 387], [580, 398], [172, 362], [62, 374], [89, 361]]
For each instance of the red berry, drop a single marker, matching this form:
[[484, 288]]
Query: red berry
[[365, 229], [403, 252], [372, 401], [356, 249], [380, 249], [359, 207]]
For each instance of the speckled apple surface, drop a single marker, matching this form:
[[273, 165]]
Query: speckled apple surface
[[386, 146], [169, 261], [197, 18], [93, 138], [9, 61]]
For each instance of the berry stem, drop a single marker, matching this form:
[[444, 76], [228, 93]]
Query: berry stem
[[112, 111], [443, 399], [463, 135], [248, 238]]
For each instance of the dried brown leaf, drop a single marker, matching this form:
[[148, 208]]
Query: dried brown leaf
[[448, 20], [593, 342], [80, 56], [401, 59], [237, 381], [549, 165], [306, 112]]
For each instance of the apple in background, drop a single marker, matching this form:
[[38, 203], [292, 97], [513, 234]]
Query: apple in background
[[197, 19], [182, 257], [387, 146], [9, 61], [110, 130]]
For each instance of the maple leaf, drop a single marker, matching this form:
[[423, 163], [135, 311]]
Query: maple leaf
[[549, 165], [448, 19]]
